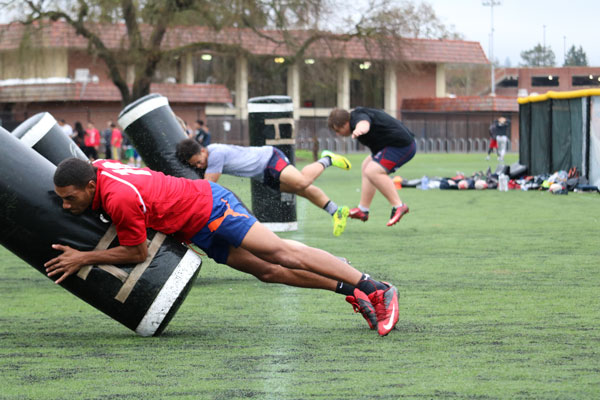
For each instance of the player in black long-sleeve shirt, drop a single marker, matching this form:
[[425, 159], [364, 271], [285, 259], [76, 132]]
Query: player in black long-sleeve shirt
[[392, 145]]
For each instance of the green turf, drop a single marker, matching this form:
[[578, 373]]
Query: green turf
[[499, 300]]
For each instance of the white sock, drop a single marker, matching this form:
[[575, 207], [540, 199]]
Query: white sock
[[330, 207], [363, 208]]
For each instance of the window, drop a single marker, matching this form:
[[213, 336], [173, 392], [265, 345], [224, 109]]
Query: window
[[214, 68], [586, 80], [266, 77], [509, 82], [367, 84], [318, 83], [547, 80]]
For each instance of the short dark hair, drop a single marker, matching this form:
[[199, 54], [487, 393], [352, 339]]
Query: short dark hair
[[337, 118], [186, 149], [75, 172], [200, 122]]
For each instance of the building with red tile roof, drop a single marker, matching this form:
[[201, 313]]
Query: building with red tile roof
[[406, 75]]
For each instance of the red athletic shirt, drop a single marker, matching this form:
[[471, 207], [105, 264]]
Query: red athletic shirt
[[139, 198], [116, 138], [92, 138]]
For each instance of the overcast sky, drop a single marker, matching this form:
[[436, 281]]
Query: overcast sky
[[519, 25]]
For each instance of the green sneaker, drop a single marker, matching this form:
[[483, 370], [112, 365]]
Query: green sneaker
[[337, 160], [339, 220]]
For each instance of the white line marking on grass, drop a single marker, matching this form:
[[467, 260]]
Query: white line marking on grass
[[277, 384]]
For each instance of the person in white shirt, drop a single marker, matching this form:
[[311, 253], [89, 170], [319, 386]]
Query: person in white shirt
[[270, 166], [66, 128]]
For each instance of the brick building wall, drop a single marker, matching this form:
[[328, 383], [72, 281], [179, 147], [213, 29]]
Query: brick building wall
[[417, 81]]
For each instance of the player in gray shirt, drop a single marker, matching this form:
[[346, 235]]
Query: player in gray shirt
[[270, 166]]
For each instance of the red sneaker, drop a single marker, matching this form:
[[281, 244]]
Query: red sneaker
[[397, 213], [386, 308], [361, 303], [356, 213]]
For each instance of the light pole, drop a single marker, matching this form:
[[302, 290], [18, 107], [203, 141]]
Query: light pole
[[491, 4]]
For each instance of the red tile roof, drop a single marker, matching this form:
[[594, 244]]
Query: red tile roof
[[197, 93], [61, 35], [470, 103]]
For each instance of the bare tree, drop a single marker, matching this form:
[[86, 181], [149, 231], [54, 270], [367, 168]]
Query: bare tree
[[147, 23]]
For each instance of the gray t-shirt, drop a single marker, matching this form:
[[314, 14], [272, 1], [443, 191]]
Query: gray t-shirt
[[238, 160]]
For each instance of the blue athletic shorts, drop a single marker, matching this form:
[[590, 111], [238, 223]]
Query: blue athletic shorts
[[392, 158], [276, 164], [228, 224]]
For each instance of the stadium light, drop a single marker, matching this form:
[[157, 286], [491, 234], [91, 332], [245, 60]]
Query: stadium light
[[279, 60], [309, 61], [206, 57], [491, 4]]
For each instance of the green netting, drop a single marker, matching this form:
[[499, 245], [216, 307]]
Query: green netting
[[552, 135], [561, 136], [578, 109], [541, 142], [525, 134]]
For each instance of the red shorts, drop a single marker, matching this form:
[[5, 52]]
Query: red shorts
[[392, 158], [493, 144], [276, 164]]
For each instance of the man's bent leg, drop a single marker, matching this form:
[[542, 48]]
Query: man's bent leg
[[312, 193], [312, 171], [267, 246], [379, 178], [367, 189], [244, 261]]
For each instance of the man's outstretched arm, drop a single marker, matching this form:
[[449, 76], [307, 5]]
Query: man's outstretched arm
[[361, 128], [213, 176], [71, 260]]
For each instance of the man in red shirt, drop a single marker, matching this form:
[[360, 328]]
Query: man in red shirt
[[116, 141], [91, 140], [210, 216]]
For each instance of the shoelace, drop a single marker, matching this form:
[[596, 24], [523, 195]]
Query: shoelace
[[354, 303], [356, 306], [380, 311]]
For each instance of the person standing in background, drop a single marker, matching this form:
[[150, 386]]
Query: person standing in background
[[92, 141], [106, 138], [116, 141], [201, 133], [66, 128], [493, 143], [502, 128], [79, 136]]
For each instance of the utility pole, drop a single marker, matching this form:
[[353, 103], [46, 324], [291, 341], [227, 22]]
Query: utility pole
[[544, 49], [544, 38], [491, 4]]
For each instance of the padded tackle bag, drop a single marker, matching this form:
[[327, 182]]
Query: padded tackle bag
[[43, 134], [143, 297], [152, 128], [271, 123]]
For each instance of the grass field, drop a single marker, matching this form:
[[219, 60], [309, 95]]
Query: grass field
[[499, 299]]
